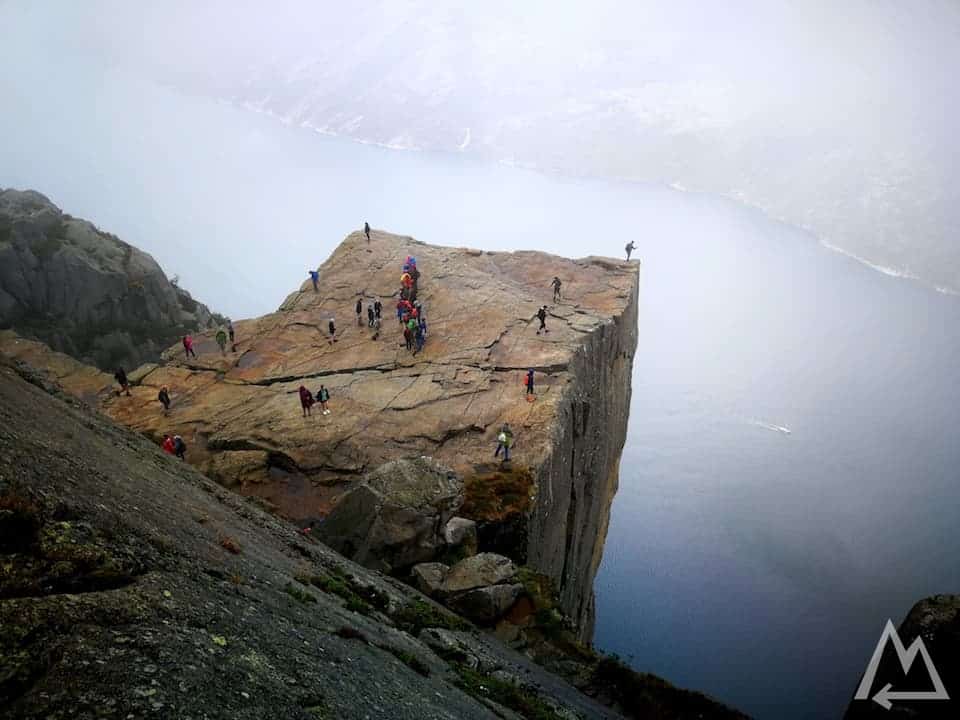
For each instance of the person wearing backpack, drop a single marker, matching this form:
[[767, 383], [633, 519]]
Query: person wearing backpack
[[504, 442], [323, 397], [179, 447], [306, 400], [222, 341]]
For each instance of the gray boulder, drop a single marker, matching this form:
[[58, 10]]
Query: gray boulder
[[85, 292], [486, 604], [395, 517], [461, 534], [429, 577], [478, 571]]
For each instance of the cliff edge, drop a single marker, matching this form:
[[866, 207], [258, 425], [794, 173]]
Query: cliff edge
[[548, 509]]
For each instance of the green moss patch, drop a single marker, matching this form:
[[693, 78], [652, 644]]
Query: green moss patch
[[521, 700], [498, 494]]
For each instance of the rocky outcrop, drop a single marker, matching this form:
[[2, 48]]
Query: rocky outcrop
[[396, 516], [132, 586], [83, 291], [936, 621], [547, 509]]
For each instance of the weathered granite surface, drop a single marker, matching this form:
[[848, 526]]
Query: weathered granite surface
[[549, 509], [83, 291], [132, 586]]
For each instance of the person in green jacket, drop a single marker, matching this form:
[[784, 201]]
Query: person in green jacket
[[222, 340]]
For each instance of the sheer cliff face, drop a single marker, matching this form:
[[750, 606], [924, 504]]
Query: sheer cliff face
[[83, 291], [240, 414], [577, 482]]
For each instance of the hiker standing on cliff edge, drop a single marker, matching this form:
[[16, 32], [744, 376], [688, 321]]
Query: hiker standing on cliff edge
[[366, 230], [556, 288], [630, 248], [315, 278]]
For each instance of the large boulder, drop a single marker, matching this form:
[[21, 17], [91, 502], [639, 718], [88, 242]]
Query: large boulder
[[460, 534], [429, 577], [486, 604], [395, 517], [478, 571]]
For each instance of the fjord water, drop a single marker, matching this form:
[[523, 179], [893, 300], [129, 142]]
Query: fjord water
[[790, 471]]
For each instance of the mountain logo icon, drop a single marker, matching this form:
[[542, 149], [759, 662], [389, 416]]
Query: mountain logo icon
[[885, 697]]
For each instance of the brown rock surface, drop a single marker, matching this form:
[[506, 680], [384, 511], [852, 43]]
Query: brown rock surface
[[241, 418]]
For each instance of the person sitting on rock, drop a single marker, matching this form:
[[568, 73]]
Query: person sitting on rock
[[188, 347], [222, 341], [542, 315], [164, 397], [306, 400], [315, 277], [556, 288], [333, 331], [323, 397], [121, 377], [167, 444], [179, 447]]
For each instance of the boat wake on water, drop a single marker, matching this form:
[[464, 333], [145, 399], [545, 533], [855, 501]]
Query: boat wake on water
[[770, 426]]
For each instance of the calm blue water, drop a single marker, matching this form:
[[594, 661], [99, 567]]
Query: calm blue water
[[752, 564]]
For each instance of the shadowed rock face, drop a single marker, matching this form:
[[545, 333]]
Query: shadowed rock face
[[241, 417], [85, 292]]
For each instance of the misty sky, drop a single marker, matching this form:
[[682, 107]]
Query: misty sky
[[836, 117]]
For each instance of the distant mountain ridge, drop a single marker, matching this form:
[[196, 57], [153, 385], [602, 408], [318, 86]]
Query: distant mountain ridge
[[85, 292]]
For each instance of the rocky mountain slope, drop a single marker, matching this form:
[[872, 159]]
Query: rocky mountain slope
[[83, 291], [131, 585], [240, 414]]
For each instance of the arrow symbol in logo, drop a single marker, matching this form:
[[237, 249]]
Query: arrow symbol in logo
[[885, 696]]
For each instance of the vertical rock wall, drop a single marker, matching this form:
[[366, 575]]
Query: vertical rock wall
[[576, 484]]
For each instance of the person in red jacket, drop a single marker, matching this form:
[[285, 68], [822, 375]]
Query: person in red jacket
[[168, 444], [188, 346]]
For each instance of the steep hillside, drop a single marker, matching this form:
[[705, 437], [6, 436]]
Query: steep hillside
[[83, 291], [132, 586]]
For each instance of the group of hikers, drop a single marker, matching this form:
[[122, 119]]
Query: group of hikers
[[221, 338], [307, 399]]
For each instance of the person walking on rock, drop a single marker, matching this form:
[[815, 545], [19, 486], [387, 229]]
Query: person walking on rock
[[630, 248], [306, 400], [188, 347], [233, 336], [377, 308], [359, 309], [164, 397], [370, 316], [167, 444], [504, 442], [333, 331], [121, 377], [529, 383], [179, 447], [222, 341], [315, 277], [323, 397], [366, 230], [542, 315], [419, 338], [556, 288]]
